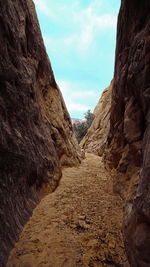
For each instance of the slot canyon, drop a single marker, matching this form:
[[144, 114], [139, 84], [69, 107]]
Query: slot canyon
[[63, 204]]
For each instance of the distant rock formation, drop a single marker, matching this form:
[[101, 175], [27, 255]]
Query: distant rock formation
[[75, 121], [96, 137], [36, 135], [128, 151]]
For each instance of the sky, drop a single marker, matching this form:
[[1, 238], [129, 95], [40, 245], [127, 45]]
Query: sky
[[80, 39]]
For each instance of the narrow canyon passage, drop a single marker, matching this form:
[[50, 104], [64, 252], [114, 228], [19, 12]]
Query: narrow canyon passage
[[77, 225]]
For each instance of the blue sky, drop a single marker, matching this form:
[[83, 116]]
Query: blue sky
[[80, 37]]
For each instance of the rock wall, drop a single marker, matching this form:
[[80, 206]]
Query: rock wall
[[96, 137], [128, 152], [36, 135]]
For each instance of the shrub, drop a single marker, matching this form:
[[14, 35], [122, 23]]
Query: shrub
[[80, 128]]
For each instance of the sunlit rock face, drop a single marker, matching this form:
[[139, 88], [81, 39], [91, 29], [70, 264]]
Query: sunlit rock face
[[96, 137], [36, 135], [129, 137]]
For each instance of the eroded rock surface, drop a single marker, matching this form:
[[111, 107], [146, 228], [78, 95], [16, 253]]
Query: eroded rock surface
[[129, 139], [96, 137], [36, 135]]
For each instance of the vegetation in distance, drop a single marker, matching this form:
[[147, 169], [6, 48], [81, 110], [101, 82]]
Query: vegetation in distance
[[81, 127]]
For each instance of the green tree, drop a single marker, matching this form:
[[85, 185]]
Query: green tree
[[81, 128], [89, 117]]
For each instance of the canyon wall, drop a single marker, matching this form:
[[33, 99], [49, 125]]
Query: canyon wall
[[36, 136], [96, 137], [123, 134], [128, 150]]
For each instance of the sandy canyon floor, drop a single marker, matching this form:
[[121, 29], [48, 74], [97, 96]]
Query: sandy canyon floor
[[76, 226]]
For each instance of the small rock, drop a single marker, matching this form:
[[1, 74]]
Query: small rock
[[84, 225], [35, 240], [82, 217], [111, 244], [73, 226], [92, 243]]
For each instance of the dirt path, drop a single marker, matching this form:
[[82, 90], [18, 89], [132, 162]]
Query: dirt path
[[77, 225]]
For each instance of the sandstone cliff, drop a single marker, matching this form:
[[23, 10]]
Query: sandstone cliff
[[128, 151], [96, 136], [36, 135], [127, 146]]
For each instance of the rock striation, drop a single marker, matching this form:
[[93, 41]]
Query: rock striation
[[128, 151], [96, 137], [36, 136]]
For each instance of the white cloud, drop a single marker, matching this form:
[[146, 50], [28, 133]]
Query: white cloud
[[76, 107], [76, 98], [91, 25], [86, 23], [48, 40], [83, 94], [42, 5]]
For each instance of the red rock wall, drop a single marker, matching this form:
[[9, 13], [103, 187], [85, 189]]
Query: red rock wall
[[129, 137], [36, 134], [96, 137]]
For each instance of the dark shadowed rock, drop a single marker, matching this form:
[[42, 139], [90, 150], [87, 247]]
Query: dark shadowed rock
[[129, 138], [36, 135]]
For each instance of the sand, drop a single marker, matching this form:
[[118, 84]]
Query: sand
[[77, 225]]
